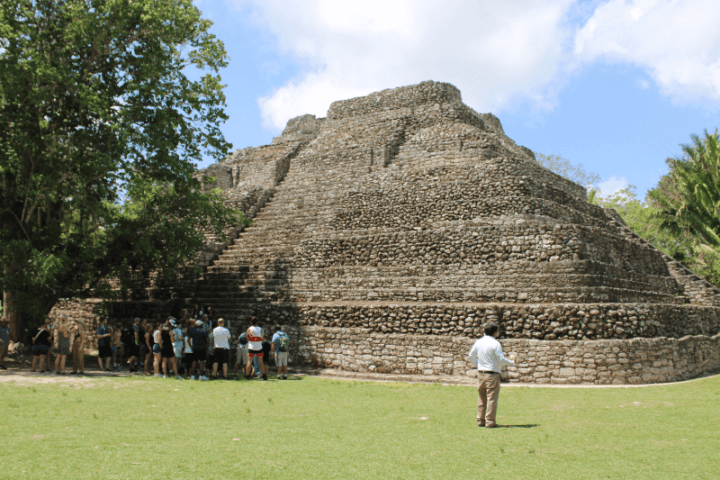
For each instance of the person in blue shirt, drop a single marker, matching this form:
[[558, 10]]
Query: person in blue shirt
[[4, 341], [281, 345]]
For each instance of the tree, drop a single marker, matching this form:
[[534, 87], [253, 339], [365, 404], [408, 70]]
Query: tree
[[641, 218], [563, 167], [687, 201], [105, 106]]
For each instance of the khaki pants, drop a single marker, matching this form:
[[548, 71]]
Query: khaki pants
[[488, 394]]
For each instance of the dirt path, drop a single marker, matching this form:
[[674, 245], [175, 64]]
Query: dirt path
[[23, 376]]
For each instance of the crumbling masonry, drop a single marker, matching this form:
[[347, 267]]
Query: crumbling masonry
[[385, 235]]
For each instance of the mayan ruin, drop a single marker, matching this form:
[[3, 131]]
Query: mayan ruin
[[387, 233]]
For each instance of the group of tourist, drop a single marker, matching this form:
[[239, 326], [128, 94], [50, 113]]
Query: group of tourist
[[190, 347], [196, 349]]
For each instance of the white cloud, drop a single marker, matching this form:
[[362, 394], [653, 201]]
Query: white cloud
[[497, 53], [678, 42], [612, 186]]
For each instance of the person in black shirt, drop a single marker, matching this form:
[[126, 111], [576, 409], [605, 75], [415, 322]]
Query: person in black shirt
[[42, 341], [198, 337]]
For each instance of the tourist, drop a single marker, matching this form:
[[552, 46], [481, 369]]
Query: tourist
[[281, 345], [199, 344], [487, 355], [78, 350], [157, 349], [133, 346], [221, 336], [149, 347], [41, 341], [188, 357], [104, 350], [63, 341], [209, 314], [178, 342], [196, 311], [115, 345], [210, 351], [254, 336], [4, 341], [241, 359], [168, 349]]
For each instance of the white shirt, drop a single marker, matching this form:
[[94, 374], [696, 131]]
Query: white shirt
[[487, 355], [222, 337], [254, 338]]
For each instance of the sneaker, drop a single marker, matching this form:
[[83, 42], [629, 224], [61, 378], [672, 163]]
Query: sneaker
[[265, 378], [284, 377], [203, 377], [164, 376], [157, 375], [179, 377], [192, 377]]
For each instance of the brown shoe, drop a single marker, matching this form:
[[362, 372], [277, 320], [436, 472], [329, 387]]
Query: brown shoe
[[491, 426]]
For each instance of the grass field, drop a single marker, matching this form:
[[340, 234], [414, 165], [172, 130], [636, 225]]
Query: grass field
[[319, 428]]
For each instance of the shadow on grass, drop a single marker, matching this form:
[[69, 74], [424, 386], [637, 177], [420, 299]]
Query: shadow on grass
[[530, 425]]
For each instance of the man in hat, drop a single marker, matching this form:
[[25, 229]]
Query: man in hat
[[487, 354], [4, 341]]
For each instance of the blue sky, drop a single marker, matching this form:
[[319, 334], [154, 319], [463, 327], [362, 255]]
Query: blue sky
[[615, 85]]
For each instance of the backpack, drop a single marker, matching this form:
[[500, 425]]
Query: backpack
[[284, 342], [243, 339]]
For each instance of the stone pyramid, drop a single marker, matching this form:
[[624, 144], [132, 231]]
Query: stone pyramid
[[386, 234]]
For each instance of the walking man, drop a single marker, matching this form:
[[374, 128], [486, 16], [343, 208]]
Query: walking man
[[221, 337], [487, 354], [281, 345]]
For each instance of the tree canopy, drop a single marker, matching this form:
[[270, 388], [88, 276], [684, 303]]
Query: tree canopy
[[105, 106], [566, 169]]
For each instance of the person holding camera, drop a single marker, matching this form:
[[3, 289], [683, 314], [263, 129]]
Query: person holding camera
[[488, 356]]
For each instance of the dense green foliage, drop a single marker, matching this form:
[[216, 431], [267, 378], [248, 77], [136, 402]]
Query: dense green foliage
[[320, 429], [680, 215], [105, 106]]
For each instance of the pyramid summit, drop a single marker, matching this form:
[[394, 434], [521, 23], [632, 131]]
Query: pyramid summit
[[387, 233]]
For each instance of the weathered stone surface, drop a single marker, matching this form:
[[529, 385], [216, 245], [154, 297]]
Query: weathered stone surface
[[389, 232]]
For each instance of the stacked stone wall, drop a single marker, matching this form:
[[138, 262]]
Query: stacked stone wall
[[641, 360]]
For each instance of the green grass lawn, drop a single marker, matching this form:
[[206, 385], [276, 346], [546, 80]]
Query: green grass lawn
[[318, 428]]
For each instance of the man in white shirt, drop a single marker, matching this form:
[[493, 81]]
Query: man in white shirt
[[222, 347], [487, 354]]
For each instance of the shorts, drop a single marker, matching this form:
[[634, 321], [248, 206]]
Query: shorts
[[178, 352], [188, 358], [281, 359], [255, 353], [156, 349], [38, 350], [200, 355], [221, 356], [241, 357], [114, 349], [104, 351]]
